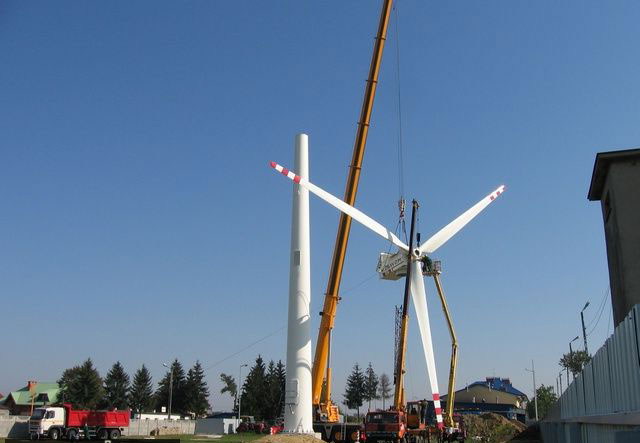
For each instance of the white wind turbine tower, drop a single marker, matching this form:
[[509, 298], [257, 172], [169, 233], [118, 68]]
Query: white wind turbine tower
[[391, 264]]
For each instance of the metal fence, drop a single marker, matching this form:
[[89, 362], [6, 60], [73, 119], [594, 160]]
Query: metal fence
[[605, 397]]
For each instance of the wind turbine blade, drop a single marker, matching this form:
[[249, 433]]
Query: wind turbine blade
[[419, 297], [444, 234], [342, 206]]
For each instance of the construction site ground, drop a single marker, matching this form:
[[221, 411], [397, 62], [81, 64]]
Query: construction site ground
[[281, 438], [494, 428]]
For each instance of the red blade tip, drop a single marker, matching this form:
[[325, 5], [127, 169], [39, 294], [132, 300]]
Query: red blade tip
[[273, 164]]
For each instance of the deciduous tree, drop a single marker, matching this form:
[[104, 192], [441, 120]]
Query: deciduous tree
[[229, 385], [384, 388], [546, 399], [575, 361]]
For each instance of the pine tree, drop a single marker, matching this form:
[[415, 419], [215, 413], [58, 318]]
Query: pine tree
[[354, 394], [116, 388], [254, 390], [370, 385], [281, 375], [384, 389], [141, 394], [197, 392], [82, 386], [274, 392], [178, 393]]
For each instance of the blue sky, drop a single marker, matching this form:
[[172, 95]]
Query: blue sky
[[141, 221]]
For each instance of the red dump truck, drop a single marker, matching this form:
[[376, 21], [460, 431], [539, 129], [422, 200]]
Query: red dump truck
[[74, 424]]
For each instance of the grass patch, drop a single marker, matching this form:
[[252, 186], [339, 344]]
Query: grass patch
[[244, 437]]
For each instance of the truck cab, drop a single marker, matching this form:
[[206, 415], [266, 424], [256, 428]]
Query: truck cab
[[43, 419], [387, 426]]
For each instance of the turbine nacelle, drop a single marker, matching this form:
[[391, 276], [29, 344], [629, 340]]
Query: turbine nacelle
[[393, 266]]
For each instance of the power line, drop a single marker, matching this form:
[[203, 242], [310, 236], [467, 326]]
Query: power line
[[600, 307], [272, 333], [599, 316], [246, 347]]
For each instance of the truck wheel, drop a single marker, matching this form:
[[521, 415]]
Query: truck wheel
[[103, 434], [72, 435], [114, 434], [54, 434], [336, 437]]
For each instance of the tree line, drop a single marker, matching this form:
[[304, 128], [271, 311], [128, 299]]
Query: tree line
[[263, 391], [365, 387], [83, 387]]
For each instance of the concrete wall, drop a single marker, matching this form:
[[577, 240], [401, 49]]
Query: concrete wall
[[13, 426], [621, 214], [216, 426], [17, 427], [146, 427]]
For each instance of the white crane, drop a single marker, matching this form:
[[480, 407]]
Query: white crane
[[393, 266]]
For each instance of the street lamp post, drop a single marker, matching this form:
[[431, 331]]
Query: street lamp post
[[584, 330], [238, 390], [571, 358], [535, 396], [170, 385], [560, 378]]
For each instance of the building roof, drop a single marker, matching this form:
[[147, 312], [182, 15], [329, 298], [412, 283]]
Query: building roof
[[601, 169], [44, 393], [497, 384]]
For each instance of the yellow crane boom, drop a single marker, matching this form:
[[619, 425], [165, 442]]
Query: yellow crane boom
[[324, 410]]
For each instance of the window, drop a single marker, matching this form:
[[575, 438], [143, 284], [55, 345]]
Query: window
[[51, 414]]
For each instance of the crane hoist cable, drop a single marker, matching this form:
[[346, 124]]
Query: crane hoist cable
[[401, 226]]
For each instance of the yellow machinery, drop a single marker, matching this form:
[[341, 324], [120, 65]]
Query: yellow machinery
[[434, 269], [324, 410]]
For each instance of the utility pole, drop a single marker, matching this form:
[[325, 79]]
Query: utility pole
[[535, 393], [170, 385], [560, 378], [584, 330], [238, 390], [573, 376]]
